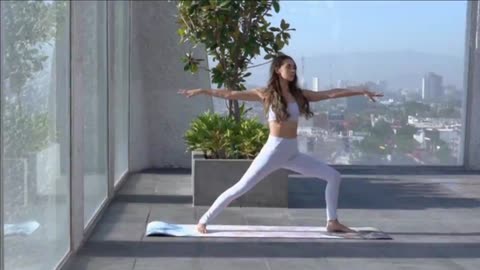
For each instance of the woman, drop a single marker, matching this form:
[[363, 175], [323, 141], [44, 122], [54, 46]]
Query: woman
[[284, 102]]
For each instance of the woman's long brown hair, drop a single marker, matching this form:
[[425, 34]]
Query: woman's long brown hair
[[274, 97]]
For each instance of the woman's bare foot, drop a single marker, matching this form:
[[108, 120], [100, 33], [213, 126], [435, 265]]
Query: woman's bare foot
[[336, 226], [202, 228]]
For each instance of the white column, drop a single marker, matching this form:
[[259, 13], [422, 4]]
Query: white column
[[159, 116], [472, 84], [2, 40], [77, 119], [110, 95]]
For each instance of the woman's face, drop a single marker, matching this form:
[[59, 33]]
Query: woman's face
[[287, 70]]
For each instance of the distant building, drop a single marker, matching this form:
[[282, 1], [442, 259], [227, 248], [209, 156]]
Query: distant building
[[335, 121], [342, 83], [320, 120], [315, 84], [432, 88], [336, 116], [382, 86]]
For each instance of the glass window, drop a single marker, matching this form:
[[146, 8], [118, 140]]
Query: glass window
[[36, 123], [120, 86], [93, 80], [405, 49]]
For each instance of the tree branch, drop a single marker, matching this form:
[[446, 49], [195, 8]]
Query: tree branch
[[260, 64], [266, 10]]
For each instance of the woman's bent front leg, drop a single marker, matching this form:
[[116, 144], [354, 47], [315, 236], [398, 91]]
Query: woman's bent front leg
[[312, 167], [265, 163]]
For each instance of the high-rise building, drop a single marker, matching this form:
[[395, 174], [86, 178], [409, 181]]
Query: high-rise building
[[342, 83], [432, 88], [315, 84], [382, 85]]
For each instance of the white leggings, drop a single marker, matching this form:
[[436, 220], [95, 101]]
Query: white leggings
[[280, 153]]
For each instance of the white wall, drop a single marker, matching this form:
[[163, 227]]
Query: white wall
[[158, 115]]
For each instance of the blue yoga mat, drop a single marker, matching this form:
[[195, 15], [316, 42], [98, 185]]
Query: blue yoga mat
[[161, 228]]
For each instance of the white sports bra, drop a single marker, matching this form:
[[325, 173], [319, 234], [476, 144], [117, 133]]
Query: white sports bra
[[292, 109]]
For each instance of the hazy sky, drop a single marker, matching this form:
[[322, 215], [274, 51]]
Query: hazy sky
[[352, 26], [323, 28]]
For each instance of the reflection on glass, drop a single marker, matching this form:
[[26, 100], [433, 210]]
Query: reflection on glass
[[92, 74], [35, 119]]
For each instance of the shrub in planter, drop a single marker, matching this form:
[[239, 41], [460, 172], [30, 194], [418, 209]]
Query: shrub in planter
[[221, 137]]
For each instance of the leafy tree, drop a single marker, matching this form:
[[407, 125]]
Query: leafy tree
[[413, 108], [382, 130], [404, 139], [372, 145], [377, 142], [407, 131], [27, 27], [449, 112], [233, 33]]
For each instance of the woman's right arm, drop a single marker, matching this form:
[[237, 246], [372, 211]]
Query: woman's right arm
[[247, 95]]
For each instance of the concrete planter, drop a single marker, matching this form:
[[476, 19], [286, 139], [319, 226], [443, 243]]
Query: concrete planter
[[211, 177]]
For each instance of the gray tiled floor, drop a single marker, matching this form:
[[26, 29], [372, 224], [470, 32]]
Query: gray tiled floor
[[434, 220]]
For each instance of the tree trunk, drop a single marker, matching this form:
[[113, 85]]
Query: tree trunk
[[233, 107], [230, 108], [236, 111]]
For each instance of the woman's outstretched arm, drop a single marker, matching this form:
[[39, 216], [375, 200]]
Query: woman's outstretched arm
[[313, 96], [247, 95]]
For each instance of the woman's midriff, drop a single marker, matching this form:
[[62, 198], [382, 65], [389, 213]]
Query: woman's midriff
[[286, 129]]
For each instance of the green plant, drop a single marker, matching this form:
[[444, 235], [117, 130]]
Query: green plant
[[250, 138], [233, 33], [221, 137], [24, 132], [210, 134], [29, 27]]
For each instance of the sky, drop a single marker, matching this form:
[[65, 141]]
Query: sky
[[353, 26], [401, 40]]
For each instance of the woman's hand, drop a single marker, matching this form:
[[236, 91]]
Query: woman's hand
[[372, 95], [190, 93]]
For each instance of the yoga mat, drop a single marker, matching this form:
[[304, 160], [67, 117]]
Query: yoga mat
[[160, 228]]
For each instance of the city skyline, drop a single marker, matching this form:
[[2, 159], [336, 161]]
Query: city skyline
[[401, 69], [371, 40]]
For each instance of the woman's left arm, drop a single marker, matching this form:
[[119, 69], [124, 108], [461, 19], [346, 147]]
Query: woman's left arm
[[314, 96]]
